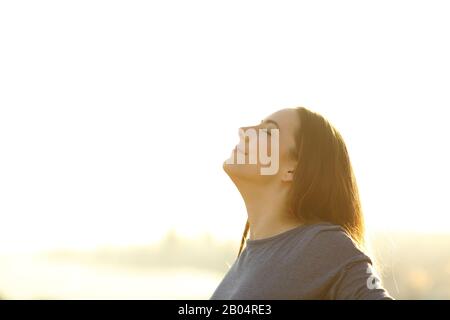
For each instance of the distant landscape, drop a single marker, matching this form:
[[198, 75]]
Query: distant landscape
[[413, 266]]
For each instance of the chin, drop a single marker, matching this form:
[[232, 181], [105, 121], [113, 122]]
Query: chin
[[249, 172]]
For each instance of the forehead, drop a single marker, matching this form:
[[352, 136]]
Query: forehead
[[288, 120]]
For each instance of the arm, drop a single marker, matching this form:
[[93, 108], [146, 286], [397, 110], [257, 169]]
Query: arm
[[357, 281], [341, 270]]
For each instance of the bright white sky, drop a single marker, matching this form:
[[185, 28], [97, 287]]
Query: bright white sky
[[116, 116]]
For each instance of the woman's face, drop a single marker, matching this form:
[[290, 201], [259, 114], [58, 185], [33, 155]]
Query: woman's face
[[266, 151]]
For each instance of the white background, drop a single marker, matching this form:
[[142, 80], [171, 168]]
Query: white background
[[116, 116]]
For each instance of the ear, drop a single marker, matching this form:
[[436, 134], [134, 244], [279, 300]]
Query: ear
[[288, 176]]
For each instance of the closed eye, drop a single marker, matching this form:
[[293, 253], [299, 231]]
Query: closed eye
[[269, 121], [267, 131]]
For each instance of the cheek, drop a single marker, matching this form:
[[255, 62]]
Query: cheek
[[268, 155], [274, 145]]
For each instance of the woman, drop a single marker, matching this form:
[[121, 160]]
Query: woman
[[305, 224]]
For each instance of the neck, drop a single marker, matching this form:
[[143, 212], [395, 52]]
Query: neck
[[267, 211]]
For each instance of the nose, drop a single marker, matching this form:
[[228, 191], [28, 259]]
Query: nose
[[242, 132]]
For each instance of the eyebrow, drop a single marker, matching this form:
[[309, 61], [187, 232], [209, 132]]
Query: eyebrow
[[270, 121]]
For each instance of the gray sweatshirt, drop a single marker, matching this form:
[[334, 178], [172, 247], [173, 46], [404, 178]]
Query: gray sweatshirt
[[318, 261]]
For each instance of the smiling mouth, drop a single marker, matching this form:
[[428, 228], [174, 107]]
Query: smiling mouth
[[238, 149]]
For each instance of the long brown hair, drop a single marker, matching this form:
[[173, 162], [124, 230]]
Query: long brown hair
[[324, 187]]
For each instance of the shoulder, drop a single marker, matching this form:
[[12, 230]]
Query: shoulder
[[330, 242], [327, 232]]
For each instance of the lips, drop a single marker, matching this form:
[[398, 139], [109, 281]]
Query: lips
[[240, 149]]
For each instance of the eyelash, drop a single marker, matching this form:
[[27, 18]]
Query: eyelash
[[268, 131]]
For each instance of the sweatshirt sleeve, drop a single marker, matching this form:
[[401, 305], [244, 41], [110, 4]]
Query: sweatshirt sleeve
[[345, 271], [358, 281]]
